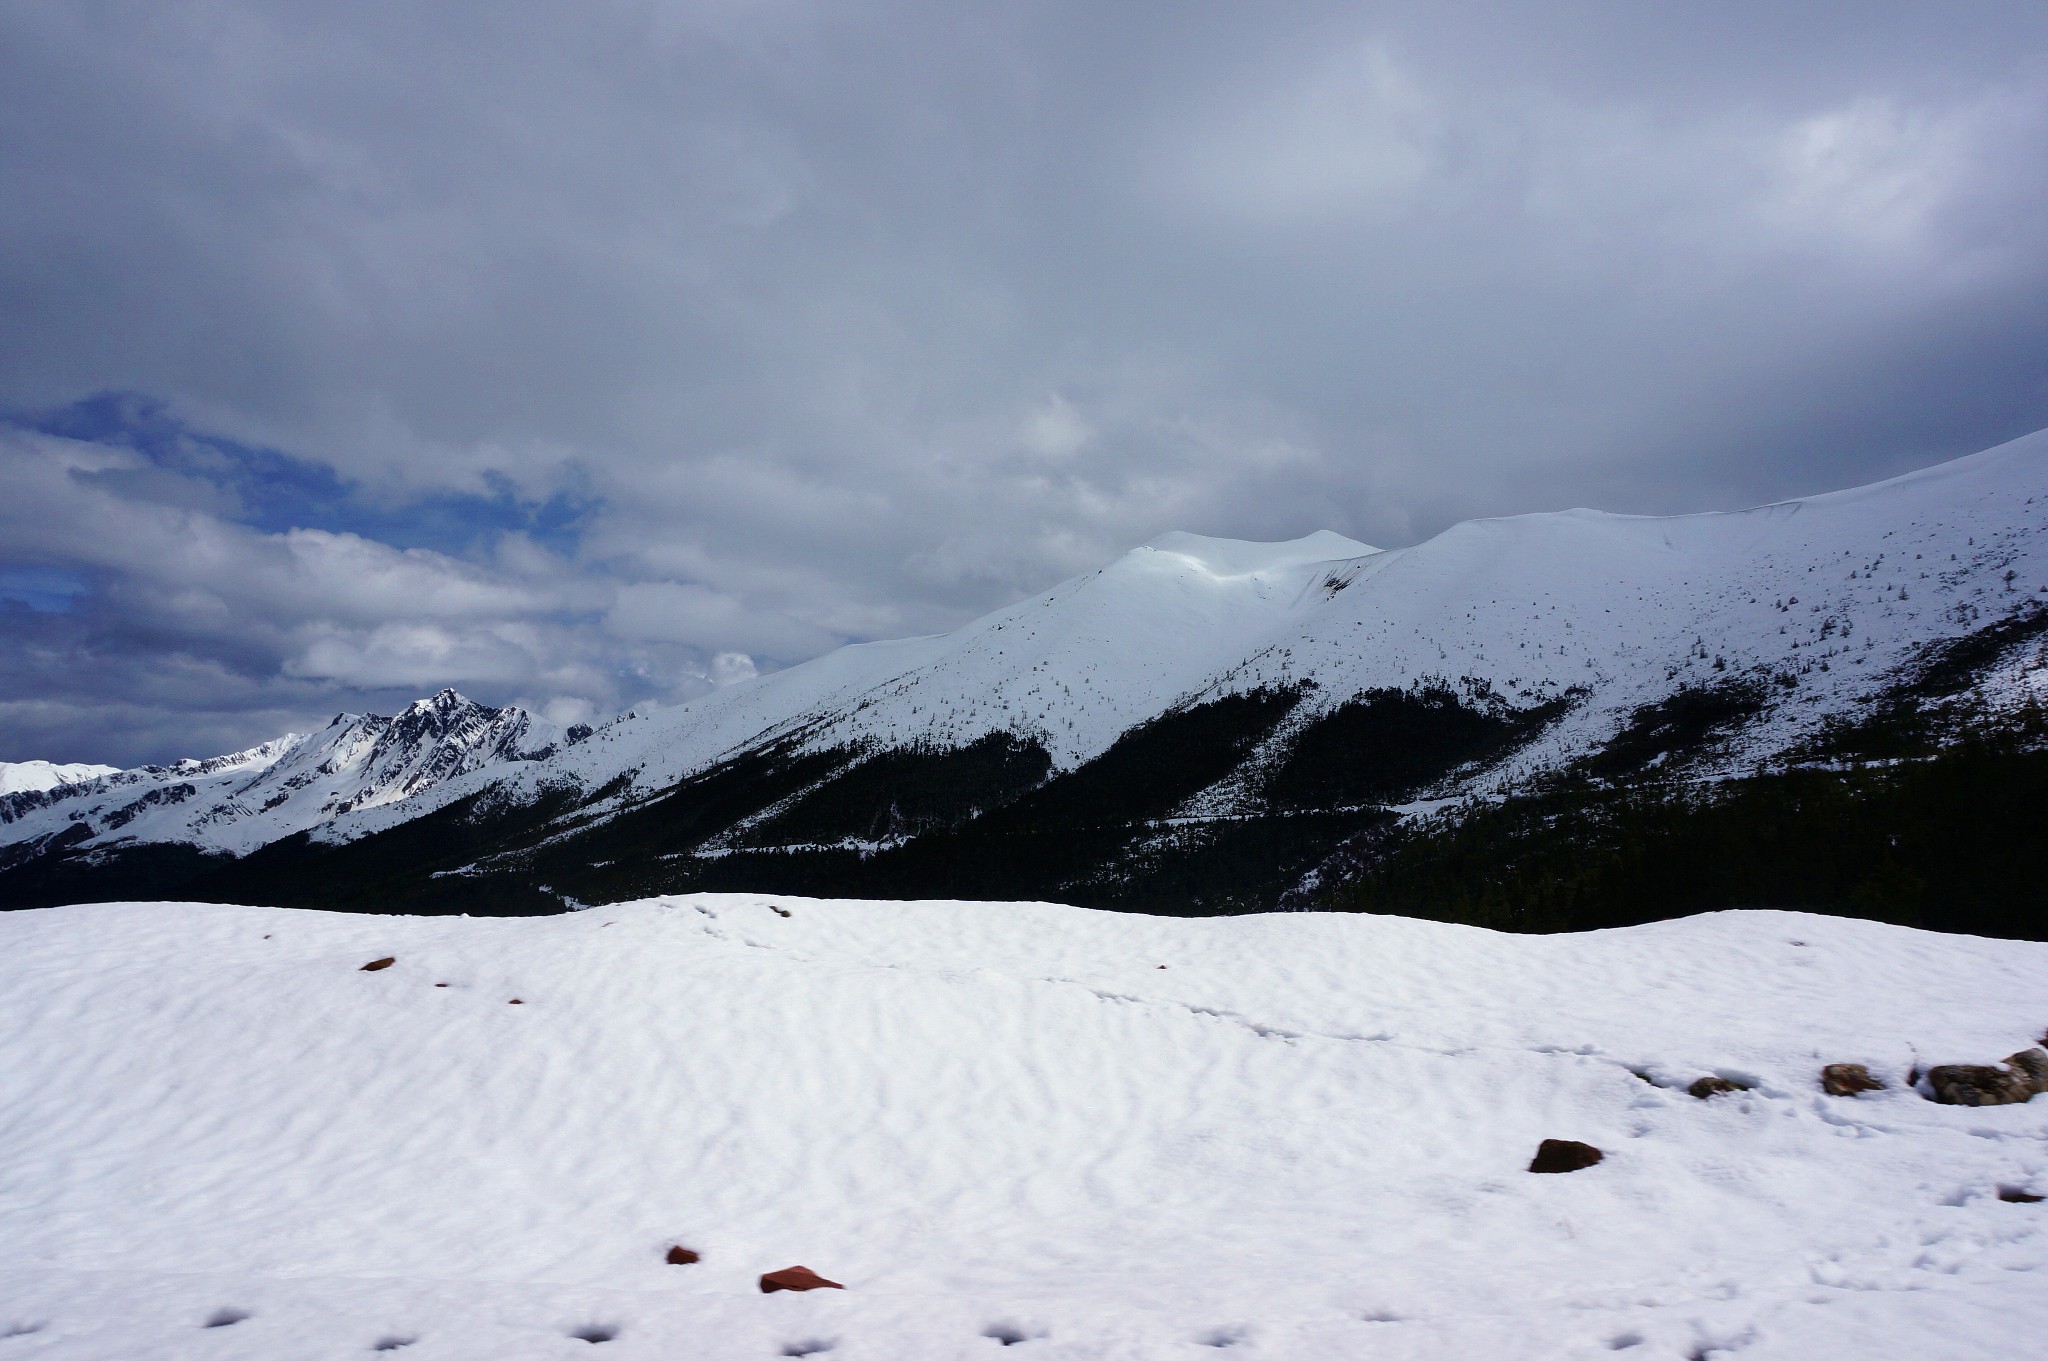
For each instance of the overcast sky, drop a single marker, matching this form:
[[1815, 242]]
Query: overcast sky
[[590, 353]]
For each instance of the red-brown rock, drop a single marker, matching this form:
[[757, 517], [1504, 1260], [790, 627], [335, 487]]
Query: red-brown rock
[[2018, 1195], [1847, 1079], [681, 1256], [796, 1278], [377, 964], [1564, 1155]]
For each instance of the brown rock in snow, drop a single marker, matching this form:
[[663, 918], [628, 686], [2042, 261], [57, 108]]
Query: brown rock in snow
[[2018, 1195], [1564, 1155], [796, 1278], [1713, 1086], [383, 963], [681, 1256], [1980, 1084], [2034, 1063], [1847, 1079]]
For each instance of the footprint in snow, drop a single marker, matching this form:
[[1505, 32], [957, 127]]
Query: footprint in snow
[[225, 1318]]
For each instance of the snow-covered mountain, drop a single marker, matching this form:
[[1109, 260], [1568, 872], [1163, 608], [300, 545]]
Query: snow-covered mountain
[[1185, 692], [238, 802], [1833, 592], [18, 777]]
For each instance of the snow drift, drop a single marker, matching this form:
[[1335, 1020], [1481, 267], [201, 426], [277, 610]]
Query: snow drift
[[1087, 1135]]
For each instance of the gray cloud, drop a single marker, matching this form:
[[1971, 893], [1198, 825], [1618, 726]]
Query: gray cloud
[[851, 320]]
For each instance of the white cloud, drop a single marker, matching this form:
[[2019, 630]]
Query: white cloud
[[730, 668], [1355, 133]]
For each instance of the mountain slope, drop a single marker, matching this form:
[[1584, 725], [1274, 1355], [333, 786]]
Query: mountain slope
[[1835, 591], [1206, 725]]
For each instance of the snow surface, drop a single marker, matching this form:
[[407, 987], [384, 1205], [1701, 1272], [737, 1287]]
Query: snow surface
[[1303, 1137], [18, 776]]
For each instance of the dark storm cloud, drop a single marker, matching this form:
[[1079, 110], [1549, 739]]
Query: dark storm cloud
[[568, 353]]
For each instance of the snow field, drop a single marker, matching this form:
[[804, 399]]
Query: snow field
[[1001, 1124], [19, 776]]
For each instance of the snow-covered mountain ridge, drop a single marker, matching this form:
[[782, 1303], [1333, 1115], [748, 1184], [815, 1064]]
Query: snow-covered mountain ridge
[[18, 777], [238, 802], [1197, 683], [1834, 590]]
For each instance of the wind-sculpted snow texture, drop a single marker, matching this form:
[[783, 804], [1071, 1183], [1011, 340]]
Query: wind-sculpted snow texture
[[1087, 1135], [239, 802]]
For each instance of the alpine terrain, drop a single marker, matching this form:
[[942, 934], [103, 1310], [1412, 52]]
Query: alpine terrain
[[1540, 722]]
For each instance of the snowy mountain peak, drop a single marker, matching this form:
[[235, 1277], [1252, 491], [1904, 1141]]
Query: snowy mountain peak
[[366, 760], [447, 700], [243, 800], [1242, 557]]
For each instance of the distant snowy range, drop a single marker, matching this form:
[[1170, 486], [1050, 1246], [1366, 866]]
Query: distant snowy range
[[1212, 726], [1577, 935]]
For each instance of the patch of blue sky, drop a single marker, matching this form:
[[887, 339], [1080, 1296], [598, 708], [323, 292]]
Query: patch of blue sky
[[46, 590], [274, 491]]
